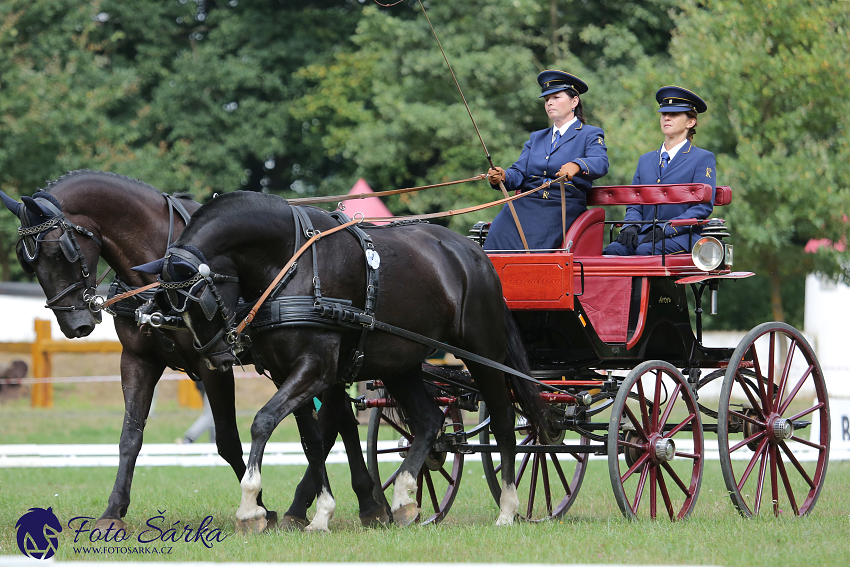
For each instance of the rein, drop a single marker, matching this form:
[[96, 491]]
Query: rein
[[332, 198]]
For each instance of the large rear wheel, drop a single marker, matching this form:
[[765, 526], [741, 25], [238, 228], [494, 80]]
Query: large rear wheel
[[772, 391]]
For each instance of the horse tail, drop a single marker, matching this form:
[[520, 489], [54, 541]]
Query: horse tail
[[526, 394]]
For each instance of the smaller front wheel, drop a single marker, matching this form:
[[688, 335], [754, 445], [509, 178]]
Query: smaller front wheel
[[439, 480], [655, 443]]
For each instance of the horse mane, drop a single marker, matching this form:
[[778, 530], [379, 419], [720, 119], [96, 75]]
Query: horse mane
[[84, 174], [240, 203]]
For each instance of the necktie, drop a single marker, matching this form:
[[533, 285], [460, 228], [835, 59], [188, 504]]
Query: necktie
[[555, 140], [665, 157]]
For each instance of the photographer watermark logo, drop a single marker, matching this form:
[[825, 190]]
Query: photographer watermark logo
[[38, 533]]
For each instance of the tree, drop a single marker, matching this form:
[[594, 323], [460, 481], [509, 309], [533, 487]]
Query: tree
[[777, 78]]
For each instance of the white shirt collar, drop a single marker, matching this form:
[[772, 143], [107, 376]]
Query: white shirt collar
[[563, 129], [672, 153]]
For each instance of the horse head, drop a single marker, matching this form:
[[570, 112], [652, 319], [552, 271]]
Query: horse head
[[48, 246], [205, 299]]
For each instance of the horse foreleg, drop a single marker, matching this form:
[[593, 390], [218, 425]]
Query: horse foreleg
[[138, 379], [295, 395]]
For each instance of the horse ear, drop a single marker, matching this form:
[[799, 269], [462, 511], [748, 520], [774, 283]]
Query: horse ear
[[154, 267], [35, 207], [10, 203]]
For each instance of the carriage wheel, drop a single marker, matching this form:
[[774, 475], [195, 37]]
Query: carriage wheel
[[655, 425], [438, 481], [764, 403], [552, 479]]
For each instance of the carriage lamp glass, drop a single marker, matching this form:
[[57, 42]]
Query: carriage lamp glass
[[707, 253]]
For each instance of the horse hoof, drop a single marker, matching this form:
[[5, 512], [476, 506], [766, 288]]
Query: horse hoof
[[406, 515], [293, 523], [104, 524], [256, 526], [271, 518], [377, 519]]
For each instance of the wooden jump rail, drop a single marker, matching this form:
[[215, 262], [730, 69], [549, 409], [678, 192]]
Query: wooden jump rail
[[42, 350]]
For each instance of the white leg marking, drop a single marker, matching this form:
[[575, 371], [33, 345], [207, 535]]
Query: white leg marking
[[325, 506], [404, 485], [508, 505], [248, 509]]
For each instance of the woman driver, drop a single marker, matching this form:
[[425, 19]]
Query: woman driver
[[570, 147]]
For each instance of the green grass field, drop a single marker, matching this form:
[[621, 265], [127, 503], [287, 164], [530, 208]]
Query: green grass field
[[592, 532]]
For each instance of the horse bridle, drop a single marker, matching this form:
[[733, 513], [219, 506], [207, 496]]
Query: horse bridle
[[202, 290], [71, 248]]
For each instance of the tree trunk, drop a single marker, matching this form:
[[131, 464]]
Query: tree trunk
[[778, 315], [553, 18]]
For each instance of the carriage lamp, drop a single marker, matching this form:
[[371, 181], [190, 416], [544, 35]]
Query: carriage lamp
[[708, 253]]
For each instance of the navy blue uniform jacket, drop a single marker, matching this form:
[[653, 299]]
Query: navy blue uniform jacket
[[540, 213], [690, 165]]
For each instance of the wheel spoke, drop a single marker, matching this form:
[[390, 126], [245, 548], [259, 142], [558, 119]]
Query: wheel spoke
[[665, 496], [633, 445], [635, 422], [447, 476], [432, 491], [522, 469], [390, 480], [688, 455], [420, 484], [672, 401], [685, 489], [653, 499], [808, 411], [809, 443], [656, 402], [748, 440], [751, 464], [679, 427], [796, 464], [788, 490], [532, 485], [792, 348], [774, 481], [560, 471], [750, 395], [796, 389], [641, 460], [641, 484], [759, 376], [747, 418], [643, 409], [546, 488], [760, 480], [393, 450], [395, 426], [767, 400]]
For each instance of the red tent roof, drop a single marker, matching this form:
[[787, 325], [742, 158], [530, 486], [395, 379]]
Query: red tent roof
[[369, 207]]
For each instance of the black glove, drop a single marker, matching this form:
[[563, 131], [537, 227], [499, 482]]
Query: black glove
[[657, 231], [628, 237]]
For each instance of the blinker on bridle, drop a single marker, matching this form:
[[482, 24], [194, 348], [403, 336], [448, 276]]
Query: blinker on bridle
[[71, 249], [199, 288]]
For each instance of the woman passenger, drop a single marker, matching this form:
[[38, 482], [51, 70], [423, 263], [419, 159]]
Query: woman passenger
[[676, 161], [570, 147]]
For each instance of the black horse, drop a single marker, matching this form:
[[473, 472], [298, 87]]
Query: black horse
[[86, 214], [430, 281]]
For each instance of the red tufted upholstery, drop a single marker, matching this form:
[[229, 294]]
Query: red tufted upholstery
[[722, 196], [586, 233], [649, 194]]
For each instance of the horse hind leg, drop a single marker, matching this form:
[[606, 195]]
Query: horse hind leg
[[426, 421]]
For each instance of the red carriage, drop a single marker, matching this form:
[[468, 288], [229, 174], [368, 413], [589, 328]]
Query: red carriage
[[622, 347]]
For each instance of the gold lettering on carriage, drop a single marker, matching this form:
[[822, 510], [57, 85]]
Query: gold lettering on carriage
[[665, 299]]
